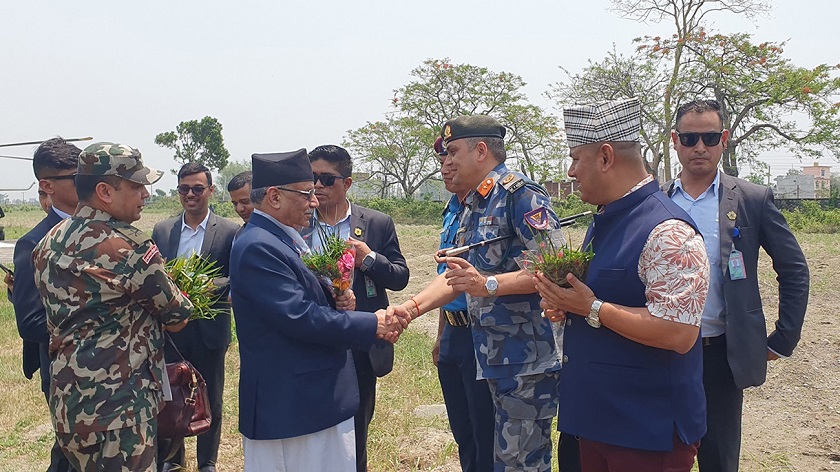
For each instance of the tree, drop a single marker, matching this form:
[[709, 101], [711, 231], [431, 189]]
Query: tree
[[398, 151], [688, 18], [617, 77], [767, 101], [399, 148], [442, 90], [231, 170], [197, 141]]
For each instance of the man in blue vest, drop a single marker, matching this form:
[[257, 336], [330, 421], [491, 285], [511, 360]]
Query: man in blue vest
[[469, 405], [632, 385]]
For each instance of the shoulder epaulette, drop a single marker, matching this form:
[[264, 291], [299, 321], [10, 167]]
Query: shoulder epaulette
[[130, 232]]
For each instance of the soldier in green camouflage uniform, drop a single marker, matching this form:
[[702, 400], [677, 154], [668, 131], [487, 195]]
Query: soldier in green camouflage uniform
[[108, 300]]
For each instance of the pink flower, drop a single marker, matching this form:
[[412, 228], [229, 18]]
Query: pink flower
[[346, 263]]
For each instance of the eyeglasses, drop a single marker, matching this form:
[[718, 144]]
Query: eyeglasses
[[197, 190], [62, 177], [326, 179], [691, 139], [309, 194]]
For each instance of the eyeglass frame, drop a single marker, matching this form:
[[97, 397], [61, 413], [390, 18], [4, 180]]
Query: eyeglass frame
[[309, 194], [709, 139], [332, 178], [191, 189], [62, 177]]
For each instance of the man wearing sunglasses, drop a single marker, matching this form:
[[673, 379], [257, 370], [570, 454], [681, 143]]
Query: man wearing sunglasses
[[55, 163], [380, 266], [735, 217], [202, 342]]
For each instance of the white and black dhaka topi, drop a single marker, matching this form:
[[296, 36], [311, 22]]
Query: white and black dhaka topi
[[618, 120]]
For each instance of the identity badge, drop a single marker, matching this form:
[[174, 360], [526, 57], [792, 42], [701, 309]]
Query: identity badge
[[370, 288], [736, 265]]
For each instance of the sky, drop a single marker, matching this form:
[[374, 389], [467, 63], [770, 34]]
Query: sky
[[284, 75]]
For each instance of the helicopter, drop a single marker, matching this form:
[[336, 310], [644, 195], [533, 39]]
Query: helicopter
[[26, 143]]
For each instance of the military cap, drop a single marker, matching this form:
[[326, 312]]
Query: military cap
[[618, 120], [474, 126], [280, 168], [116, 159], [439, 149]]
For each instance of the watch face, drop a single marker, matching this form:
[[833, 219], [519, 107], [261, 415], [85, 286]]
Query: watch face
[[492, 284]]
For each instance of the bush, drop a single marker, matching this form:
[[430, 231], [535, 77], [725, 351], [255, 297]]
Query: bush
[[810, 217], [406, 210]]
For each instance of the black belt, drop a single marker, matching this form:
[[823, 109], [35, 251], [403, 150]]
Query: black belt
[[456, 318], [714, 340]]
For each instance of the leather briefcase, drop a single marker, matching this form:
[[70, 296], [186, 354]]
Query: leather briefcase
[[188, 413]]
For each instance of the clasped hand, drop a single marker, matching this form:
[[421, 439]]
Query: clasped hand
[[558, 301], [391, 323]]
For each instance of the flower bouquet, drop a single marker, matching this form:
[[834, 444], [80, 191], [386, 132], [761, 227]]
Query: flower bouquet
[[333, 262], [554, 257], [195, 277]]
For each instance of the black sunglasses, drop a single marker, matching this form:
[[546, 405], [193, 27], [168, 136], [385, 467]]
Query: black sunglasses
[[197, 190], [326, 179], [691, 139], [62, 177]]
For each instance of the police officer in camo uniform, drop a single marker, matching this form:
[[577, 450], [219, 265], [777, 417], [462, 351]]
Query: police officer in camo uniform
[[514, 344], [108, 300]]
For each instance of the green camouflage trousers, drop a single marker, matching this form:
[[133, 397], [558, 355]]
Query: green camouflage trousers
[[525, 407], [129, 449]]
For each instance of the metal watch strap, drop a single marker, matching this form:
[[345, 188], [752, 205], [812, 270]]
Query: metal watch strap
[[594, 318]]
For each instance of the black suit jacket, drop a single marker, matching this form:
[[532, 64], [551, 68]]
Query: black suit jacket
[[388, 272], [750, 207], [218, 238], [30, 314]]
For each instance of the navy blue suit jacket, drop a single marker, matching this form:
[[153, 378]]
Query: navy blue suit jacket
[[296, 374], [30, 314]]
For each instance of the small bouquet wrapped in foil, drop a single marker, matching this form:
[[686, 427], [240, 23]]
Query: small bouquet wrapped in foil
[[198, 279], [333, 262]]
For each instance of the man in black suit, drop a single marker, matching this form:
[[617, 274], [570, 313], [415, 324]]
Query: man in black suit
[[379, 266], [202, 342], [736, 218], [55, 163]]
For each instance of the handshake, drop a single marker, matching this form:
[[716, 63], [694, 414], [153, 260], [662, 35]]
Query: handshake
[[392, 321]]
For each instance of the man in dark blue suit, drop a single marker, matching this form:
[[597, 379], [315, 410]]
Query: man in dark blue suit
[[55, 163], [297, 389], [203, 342], [380, 266]]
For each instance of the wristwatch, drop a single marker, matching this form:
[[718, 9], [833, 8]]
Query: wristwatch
[[491, 284], [593, 319], [368, 261]]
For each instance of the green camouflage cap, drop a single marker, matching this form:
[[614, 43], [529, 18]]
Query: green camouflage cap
[[116, 159]]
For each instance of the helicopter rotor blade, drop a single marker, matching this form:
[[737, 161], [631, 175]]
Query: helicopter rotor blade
[[17, 189], [28, 143], [16, 157]]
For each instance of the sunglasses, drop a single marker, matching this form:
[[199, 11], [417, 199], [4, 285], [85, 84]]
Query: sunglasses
[[691, 139], [309, 194], [197, 190], [326, 179], [62, 177]]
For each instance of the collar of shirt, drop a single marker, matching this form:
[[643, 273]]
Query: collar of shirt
[[60, 213], [202, 225], [300, 245], [341, 228], [91, 213], [494, 174], [639, 185], [715, 185]]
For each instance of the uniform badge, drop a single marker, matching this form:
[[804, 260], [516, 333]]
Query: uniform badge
[[485, 221], [485, 187], [537, 218], [151, 253], [731, 215], [447, 133], [357, 232], [507, 179]]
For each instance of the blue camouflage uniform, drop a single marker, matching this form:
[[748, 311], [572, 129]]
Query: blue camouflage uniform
[[515, 349], [468, 401]]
